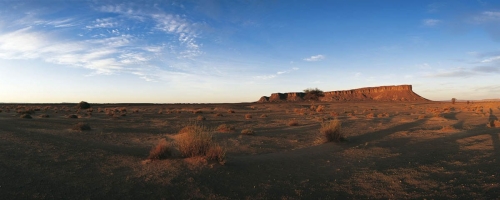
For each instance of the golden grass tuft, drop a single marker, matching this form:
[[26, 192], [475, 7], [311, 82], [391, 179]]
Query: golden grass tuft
[[225, 128], [230, 111], [219, 115], [320, 108], [162, 150], [196, 140], [248, 116], [293, 122], [247, 131], [263, 116], [332, 131], [200, 118]]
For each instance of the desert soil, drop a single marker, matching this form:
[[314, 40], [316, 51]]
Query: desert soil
[[431, 150]]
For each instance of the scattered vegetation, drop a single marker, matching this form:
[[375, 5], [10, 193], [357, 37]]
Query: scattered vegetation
[[331, 131], [230, 111], [162, 150], [263, 116], [248, 116], [201, 118]]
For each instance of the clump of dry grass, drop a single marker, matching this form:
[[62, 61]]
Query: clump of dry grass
[[293, 122], [26, 116], [263, 116], [197, 111], [83, 105], [230, 111], [332, 131], [248, 116], [81, 126], [448, 128], [421, 116], [73, 116], [219, 115], [320, 108], [370, 115], [196, 140], [162, 150], [44, 116], [225, 128], [201, 118], [247, 131]]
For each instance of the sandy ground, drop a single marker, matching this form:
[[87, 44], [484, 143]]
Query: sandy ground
[[393, 151]]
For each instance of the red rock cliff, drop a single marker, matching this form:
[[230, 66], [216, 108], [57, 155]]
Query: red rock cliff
[[382, 93]]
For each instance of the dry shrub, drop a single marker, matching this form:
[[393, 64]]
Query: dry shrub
[[26, 116], [230, 111], [421, 116], [72, 116], [331, 131], [247, 131], [293, 122], [200, 118], [380, 115], [248, 116], [197, 111], [320, 108], [162, 150], [81, 126], [448, 128], [263, 116], [44, 116], [370, 115], [196, 140], [334, 114], [225, 128], [160, 111], [219, 115]]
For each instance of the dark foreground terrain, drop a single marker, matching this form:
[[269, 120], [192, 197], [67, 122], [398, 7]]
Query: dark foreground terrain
[[393, 151]]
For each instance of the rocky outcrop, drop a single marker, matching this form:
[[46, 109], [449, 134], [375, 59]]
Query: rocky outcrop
[[382, 93]]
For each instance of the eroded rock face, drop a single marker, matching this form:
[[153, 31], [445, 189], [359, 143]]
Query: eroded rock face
[[382, 93]]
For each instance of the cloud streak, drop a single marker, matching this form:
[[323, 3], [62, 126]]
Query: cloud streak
[[315, 58]]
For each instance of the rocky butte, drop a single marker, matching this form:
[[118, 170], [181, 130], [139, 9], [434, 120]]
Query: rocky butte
[[396, 93]]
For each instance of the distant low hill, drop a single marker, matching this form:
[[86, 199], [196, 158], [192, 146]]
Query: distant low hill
[[396, 93]]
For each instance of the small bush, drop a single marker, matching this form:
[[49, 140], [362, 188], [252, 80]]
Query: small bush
[[230, 111], [225, 128], [248, 116], [331, 131], [72, 116], [83, 105], [162, 150], [247, 132], [293, 122], [263, 116], [494, 123], [219, 115], [197, 111], [26, 116], [81, 126], [313, 94], [320, 108], [200, 118]]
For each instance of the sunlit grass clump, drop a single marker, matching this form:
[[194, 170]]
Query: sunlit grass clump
[[331, 131], [196, 141]]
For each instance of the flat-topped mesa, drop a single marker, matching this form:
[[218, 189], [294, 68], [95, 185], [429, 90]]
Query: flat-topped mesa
[[382, 93]]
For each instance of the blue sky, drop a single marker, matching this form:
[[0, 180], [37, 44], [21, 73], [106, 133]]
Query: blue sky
[[236, 51]]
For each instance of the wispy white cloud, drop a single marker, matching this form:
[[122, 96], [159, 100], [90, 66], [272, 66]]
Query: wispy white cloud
[[486, 16], [491, 59], [265, 77], [431, 22], [102, 23], [315, 58]]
